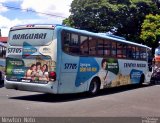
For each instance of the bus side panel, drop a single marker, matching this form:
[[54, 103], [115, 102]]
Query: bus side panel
[[68, 73], [67, 67], [131, 71], [72, 80], [76, 73], [116, 72]]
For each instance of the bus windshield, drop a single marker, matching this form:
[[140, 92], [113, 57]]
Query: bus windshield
[[36, 37]]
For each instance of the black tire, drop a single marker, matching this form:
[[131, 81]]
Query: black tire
[[94, 87], [141, 80]]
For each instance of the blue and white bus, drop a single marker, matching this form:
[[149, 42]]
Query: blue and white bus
[[2, 60], [59, 59]]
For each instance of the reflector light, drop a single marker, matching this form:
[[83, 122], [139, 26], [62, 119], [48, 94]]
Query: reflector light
[[52, 75]]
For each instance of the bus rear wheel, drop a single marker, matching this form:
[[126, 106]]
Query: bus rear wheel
[[141, 80], [94, 87]]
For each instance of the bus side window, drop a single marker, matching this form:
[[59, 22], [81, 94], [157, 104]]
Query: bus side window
[[113, 49], [137, 53], [107, 47], [84, 45], [143, 54], [92, 46], [71, 43], [121, 50], [74, 44], [130, 52], [100, 47], [66, 38]]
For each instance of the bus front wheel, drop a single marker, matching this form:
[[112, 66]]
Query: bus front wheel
[[94, 86]]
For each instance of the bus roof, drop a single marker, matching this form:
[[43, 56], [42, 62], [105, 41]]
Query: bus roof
[[78, 31], [35, 26]]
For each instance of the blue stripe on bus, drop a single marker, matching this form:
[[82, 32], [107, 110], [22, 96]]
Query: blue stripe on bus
[[87, 68]]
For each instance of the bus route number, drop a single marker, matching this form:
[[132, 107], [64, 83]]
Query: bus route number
[[14, 50]]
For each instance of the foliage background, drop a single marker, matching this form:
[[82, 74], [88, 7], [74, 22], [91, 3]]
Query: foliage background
[[136, 20]]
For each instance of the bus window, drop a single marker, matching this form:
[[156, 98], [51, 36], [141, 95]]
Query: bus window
[[130, 52], [66, 39], [100, 47], [113, 49], [121, 50], [74, 44], [137, 53], [71, 43], [143, 54], [107, 47], [124, 51], [84, 45], [92, 46]]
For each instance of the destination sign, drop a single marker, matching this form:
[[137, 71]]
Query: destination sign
[[29, 36]]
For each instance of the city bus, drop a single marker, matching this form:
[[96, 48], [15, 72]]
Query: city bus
[[2, 60], [59, 59]]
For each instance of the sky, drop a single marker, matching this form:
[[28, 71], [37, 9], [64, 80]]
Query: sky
[[59, 9]]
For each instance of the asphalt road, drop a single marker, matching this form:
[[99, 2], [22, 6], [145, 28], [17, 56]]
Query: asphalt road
[[128, 101]]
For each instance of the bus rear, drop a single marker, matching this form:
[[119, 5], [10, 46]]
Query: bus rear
[[31, 58]]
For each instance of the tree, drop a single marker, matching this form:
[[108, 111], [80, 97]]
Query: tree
[[157, 2], [122, 17], [150, 33], [130, 25]]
